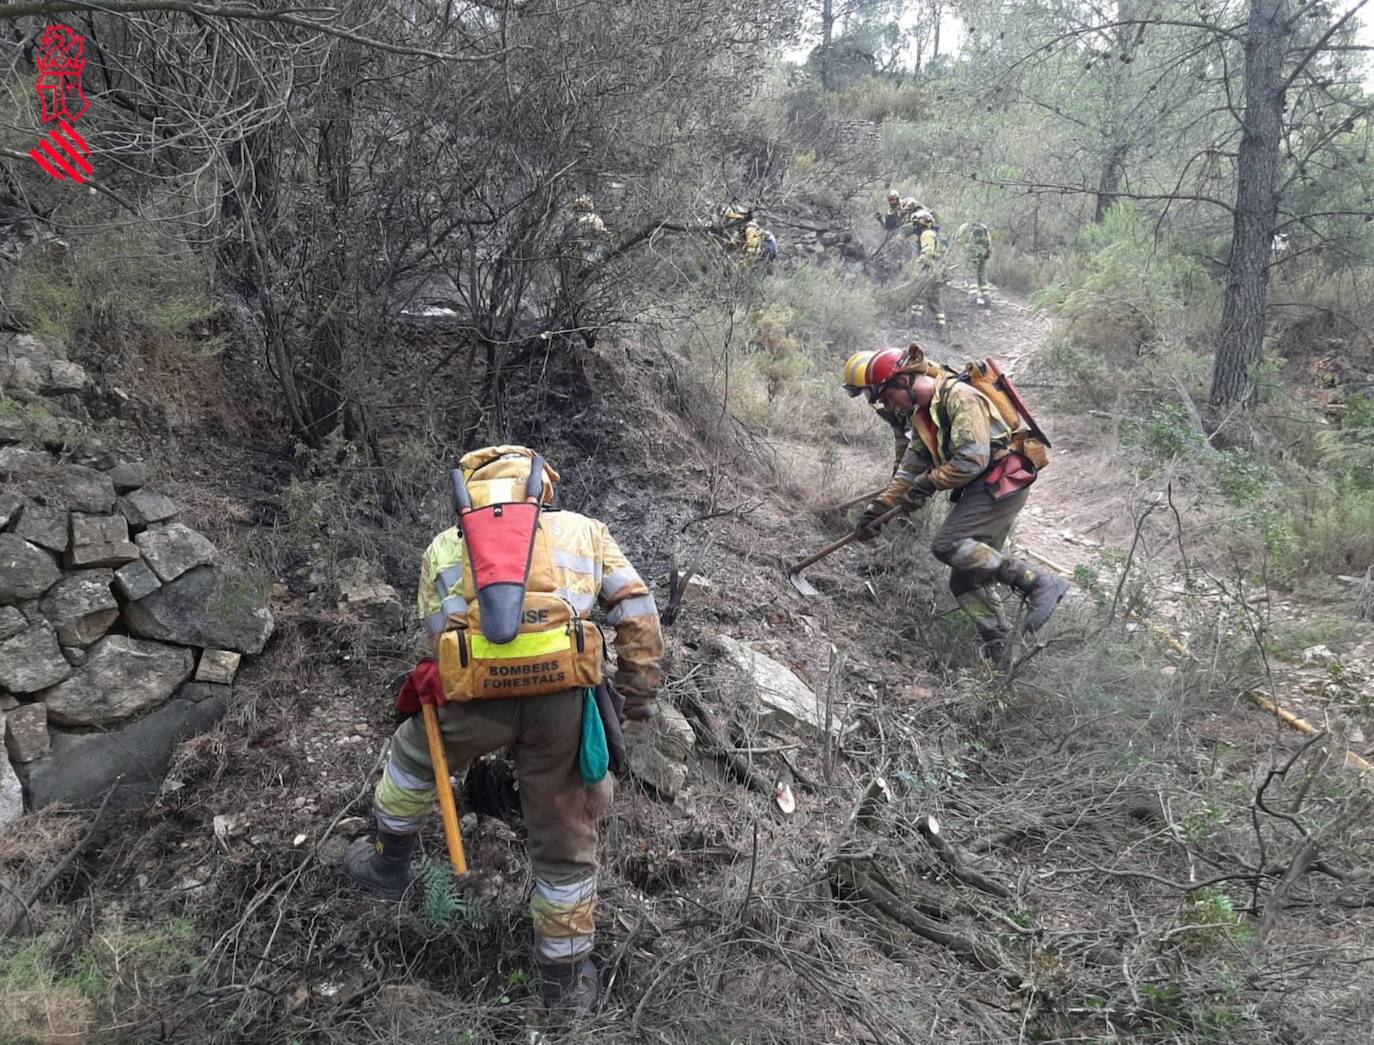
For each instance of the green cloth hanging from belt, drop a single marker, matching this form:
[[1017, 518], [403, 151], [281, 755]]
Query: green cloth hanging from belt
[[593, 758]]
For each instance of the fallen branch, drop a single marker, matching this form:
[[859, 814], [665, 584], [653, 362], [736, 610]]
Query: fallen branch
[[929, 829], [713, 746], [1303, 726], [972, 952]]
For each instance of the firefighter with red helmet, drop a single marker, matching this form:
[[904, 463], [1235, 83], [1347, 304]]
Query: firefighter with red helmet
[[958, 441]]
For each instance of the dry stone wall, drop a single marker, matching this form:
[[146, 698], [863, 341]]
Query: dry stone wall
[[121, 628]]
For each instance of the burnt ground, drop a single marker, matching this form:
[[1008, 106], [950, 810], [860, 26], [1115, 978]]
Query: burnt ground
[[1139, 868]]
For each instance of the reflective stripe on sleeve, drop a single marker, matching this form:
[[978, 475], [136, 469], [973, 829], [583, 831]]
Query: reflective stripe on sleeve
[[572, 561], [634, 606], [437, 622], [617, 580], [446, 579]]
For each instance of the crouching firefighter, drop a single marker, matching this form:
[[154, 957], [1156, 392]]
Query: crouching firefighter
[[505, 597], [970, 434]]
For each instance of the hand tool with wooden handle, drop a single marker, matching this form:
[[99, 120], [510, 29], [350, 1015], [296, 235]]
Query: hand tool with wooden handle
[[802, 584]]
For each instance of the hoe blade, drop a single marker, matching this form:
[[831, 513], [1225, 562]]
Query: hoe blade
[[801, 583]]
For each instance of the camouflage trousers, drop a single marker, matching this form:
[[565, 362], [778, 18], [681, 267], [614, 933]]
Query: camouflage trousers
[[981, 265], [977, 517], [928, 297], [561, 812]]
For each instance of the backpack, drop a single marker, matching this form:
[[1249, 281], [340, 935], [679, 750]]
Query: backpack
[[987, 378], [518, 636]]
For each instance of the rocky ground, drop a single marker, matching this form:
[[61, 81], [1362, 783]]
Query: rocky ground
[[774, 866]]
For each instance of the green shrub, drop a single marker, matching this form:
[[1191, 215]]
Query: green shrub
[[1168, 432], [1121, 290], [876, 99], [1243, 479], [123, 286]]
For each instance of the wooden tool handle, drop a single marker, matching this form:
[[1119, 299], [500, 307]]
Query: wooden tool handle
[[448, 809], [830, 549]]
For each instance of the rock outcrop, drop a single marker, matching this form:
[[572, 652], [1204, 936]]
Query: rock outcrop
[[120, 632]]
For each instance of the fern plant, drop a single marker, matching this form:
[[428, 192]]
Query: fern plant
[[444, 906]]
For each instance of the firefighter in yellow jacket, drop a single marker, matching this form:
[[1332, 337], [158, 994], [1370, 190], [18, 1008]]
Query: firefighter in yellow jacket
[[575, 566], [958, 443], [929, 267]]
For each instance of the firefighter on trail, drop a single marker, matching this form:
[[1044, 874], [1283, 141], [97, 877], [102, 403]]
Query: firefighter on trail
[[974, 237], [518, 666], [960, 441], [930, 268]]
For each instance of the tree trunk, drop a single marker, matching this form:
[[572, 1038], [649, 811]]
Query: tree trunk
[[1109, 184], [1240, 343], [327, 392], [827, 40], [935, 43]]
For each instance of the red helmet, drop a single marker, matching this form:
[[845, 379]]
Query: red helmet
[[869, 371], [884, 366]]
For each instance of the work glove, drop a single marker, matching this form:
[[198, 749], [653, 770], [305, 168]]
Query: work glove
[[866, 530]]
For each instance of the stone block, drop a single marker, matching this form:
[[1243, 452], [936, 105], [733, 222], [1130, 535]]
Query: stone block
[[92, 454], [11, 794], [43, 526], [20, 375], [81, 606], [210, 607], [130, 475], [173, 549], [218, 665], [26, 570], [145, 507], [11, 504], [778, 697], [32, 660], [135, 580], [121, 677], [12, 622], [656, 751], [91, 555], [85, 490], [18, 463], [26, 732], [64, 376], [12, 429], [81, 767], [35, 347], [98, 529]]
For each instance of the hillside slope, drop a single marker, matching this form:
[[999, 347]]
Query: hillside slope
[[1106, 804]]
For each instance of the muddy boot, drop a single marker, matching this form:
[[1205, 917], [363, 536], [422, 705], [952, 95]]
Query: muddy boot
[[984, 607], [570, 991], [381, 868], [994, 645], [1041, 588]]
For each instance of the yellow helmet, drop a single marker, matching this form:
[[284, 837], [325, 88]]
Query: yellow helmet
[[735, 212], [855, 369]]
